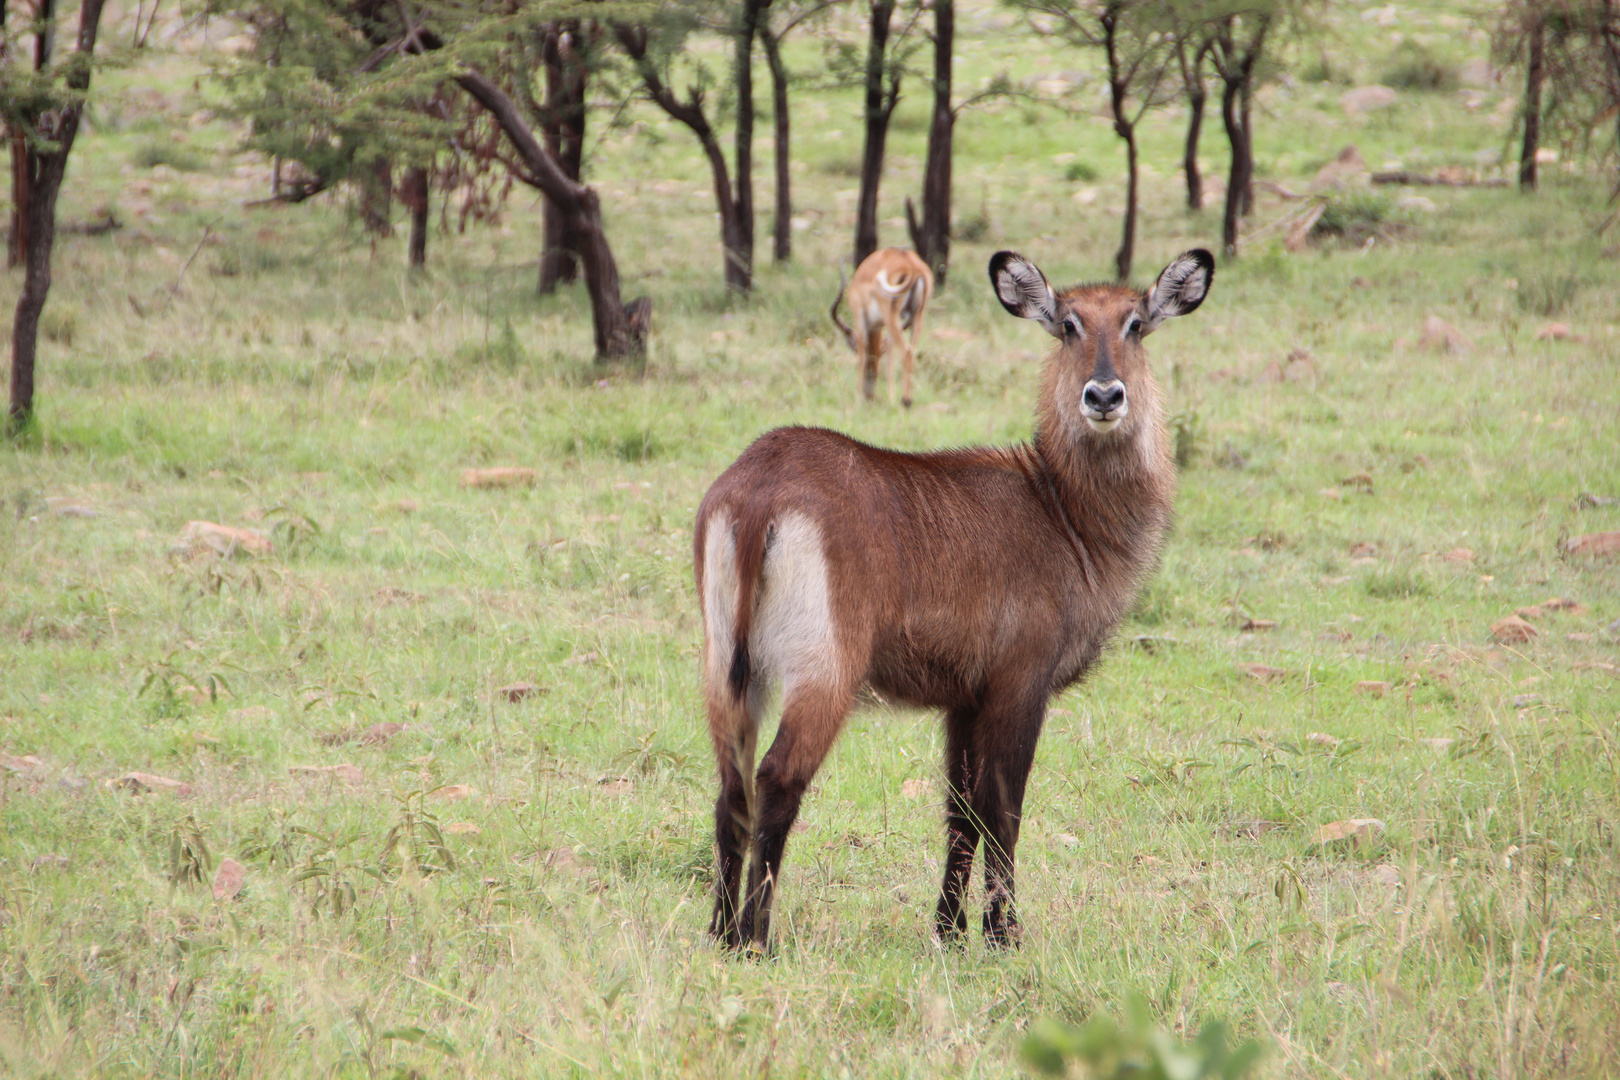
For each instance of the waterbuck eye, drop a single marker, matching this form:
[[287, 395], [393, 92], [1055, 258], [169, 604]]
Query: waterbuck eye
[[1071, 326], [1133, 325]]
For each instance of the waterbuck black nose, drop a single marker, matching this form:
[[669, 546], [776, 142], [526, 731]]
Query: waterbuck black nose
[[1104, 398]]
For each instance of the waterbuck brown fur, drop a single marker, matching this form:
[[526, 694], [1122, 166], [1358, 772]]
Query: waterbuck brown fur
[[890, 290], [979, 581]]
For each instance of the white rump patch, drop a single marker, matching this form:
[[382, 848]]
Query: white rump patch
[[793, 636], [719, 598], [882, 281]]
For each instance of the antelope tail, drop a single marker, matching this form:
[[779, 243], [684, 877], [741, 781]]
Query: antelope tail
[[849, 334]]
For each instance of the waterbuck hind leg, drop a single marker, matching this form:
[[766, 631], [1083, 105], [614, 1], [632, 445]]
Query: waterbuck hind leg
[[731, 832], [961, 827], [811, 720]]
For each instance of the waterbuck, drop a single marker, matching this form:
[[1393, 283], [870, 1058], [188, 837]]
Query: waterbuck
[[979, 581]]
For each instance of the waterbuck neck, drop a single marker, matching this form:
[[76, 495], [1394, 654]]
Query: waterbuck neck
[[1111, 491]]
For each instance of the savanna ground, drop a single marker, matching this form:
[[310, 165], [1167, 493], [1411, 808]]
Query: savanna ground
[[521, 889]]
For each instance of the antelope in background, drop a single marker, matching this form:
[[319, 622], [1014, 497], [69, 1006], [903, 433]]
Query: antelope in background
[[890, 289], [979, 581]]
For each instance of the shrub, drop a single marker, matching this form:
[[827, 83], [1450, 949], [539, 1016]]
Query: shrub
[[1414, 67], [1079, 171], [160, 151]]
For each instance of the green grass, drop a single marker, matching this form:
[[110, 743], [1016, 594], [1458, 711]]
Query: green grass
[[548, 917]]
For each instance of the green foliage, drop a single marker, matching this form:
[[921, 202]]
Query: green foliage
[[158, 150], [1079, 171], [1355, 216], [1136, 1049], [1414, 66]]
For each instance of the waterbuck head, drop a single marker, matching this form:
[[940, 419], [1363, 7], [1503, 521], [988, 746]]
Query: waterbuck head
[[1100, 368]]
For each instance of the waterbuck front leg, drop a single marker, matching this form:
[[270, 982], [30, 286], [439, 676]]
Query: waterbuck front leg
[[961, 826], [1005, 738]]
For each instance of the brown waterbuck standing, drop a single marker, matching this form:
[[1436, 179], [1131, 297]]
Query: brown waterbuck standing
[[978, 581]]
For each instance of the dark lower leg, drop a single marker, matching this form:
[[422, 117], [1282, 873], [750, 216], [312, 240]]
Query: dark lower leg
[[961, 831], [999, 804], [778, 803], [731, 829]]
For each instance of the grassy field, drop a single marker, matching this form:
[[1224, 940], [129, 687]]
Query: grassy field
[[505, 888]]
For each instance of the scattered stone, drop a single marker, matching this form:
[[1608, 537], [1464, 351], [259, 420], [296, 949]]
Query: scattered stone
[[1355, 832], [1524, 701], [1563, 604], [501, 477], [914, 789], [1360, 481], [1146, 860], [1440, 336], [616, 785], [1513, 630], [63, 508], [1578, 638], [451, 792], [202, 537], [139, 783], [1330, 493], [1595, 665], [1592, 545], [582, 658], [350, 774], [1387, 875], [407, 506], [1589, 499], [25, 764], [1459, 555], [1440, 744], [1263, 672], [1479, 73], [1365, 99], [1555, 331], [463, 828], [1372, 688], [516, 692], [229, 879], [1363, 550], [1531, 613], [1252, 625], [378, 734], [1322, 738], [1417, 204]]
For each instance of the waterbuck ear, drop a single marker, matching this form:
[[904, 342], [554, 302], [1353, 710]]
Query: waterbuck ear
[[1022, 290], [1181, 287]]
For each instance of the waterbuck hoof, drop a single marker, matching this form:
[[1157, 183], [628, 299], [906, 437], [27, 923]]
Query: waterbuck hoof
[[906, 402]]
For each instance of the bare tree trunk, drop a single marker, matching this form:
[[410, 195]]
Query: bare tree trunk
[[414, 194], [563, 125], [376, 198], [932, 238], [1189, 157], [43, 173], [1236, 178], [743, 61], [1127, 242], [1192, 76], [739, 262], [1534, 74], [879, 107], [621, 329], [782, 234], [1246, 110]]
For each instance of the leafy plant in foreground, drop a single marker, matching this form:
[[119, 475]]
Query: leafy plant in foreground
[[1136, 1049]]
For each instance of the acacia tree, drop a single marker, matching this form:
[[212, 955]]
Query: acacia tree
[[885, 65], [43, 105], [1136, 44], [770, 39], [654, 45], [1193, 42], [1240, 39], [932, 236]]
